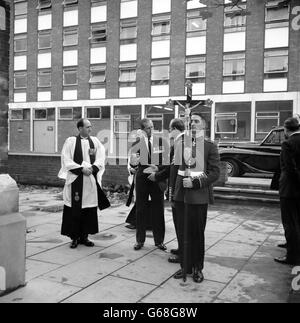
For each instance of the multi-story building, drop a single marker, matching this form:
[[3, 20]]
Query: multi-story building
[[117, 61]]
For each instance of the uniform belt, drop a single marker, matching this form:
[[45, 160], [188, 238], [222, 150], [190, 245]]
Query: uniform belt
[[192, 174]]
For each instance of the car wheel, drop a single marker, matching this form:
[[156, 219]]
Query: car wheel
[[233, 169]]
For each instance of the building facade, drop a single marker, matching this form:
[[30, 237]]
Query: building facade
[[118, 61]]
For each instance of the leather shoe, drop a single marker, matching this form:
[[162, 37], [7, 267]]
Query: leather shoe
[[282, 246], [198, 277], [179, 274], [86, 242], [138, 246], [74, 244], [161, 246], [130, 226], [174, 252], [283, 260], [174, 259]]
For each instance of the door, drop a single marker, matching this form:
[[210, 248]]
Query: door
[[44, 137]]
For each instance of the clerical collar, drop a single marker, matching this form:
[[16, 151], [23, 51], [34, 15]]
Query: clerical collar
[[84, 138]]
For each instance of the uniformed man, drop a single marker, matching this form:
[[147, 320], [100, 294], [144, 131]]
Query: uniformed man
[[198, 160]]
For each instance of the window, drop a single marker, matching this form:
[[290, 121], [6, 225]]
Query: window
[[265, 121], [269, 114], [233, 121], [98, 55], [195, 22], [276, 13], [98, 12], [20, 63], [128, 29], [70, 37], [98, 34], [98, 74], [70, 2], [226, 123], [195, 72], [70, 113], [160, 6], [45, 21], [160, 72], [20, 80], [128, 52], [20, 114], [70, 95], [234, 19], [234, 67], [44, 40], [20, 43], [128, 74], [40, 114], [70, 58], [195, 68], [70, 17], [44, 60], [70, 77], [44, 4], [129, 8], [21, 8], [193, 4], [44, 79], [276, 64], [93, 113], [20, 25], [161, 25]]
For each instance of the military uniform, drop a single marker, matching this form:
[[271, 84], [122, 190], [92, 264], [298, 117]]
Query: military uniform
[[193, 203]]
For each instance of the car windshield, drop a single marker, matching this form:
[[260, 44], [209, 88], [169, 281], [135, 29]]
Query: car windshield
[[275, 138]]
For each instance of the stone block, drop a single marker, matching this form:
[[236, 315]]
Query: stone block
[[9, 195], [12, 237], [12, 252]]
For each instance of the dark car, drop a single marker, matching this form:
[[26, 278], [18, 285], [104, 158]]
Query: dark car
[[253, 157]]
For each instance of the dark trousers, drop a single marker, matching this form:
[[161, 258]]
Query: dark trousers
[[176, 218], [81, 226], [144, 189], [290, 214], [191, 244]]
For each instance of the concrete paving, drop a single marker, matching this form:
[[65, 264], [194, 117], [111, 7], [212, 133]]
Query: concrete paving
[[239, 268]]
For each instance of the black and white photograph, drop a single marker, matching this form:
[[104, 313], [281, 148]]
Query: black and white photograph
[[149, 154]]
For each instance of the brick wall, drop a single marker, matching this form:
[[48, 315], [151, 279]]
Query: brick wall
[[4, 63], [143, 73], [214, 53], [32, 39], [178, 48], [255, 47], [43, 170]]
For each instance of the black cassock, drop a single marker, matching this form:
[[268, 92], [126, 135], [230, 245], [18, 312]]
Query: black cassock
[[78, 222]]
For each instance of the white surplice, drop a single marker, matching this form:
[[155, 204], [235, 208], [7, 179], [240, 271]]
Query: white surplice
[[90, 195]]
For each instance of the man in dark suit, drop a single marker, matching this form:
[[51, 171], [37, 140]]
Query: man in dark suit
[[289, 190], [153, 151], [198, 170], [176, 129]]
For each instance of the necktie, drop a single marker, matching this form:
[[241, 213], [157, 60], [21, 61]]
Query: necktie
[[149, 151]]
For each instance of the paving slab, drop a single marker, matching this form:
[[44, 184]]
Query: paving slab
[[63, 255], [40, 291], [175, 291], [112, 290], [35, 269], [232, 250], [144, 270]]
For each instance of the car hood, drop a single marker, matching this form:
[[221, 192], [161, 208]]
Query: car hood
[[240, 145]]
